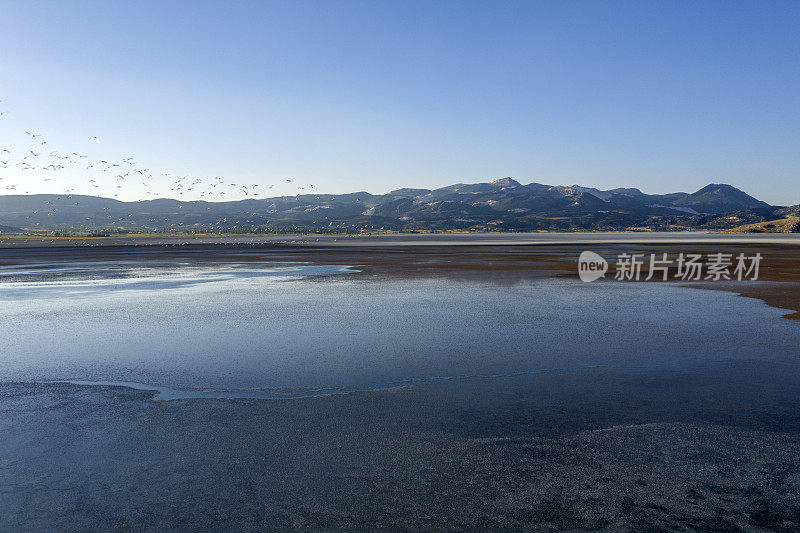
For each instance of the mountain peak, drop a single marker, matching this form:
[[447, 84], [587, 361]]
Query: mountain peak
[[506, 182], [719, 188], [626, 191]]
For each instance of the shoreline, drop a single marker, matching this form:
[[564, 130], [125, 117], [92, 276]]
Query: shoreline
[[407, 239]]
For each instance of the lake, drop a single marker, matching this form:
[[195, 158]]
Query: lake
[[311, 328]]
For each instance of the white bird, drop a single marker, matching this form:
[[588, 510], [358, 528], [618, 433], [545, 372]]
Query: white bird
[[95, 139]]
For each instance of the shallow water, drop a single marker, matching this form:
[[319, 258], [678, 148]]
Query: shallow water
[[283, 331], [538, 405]]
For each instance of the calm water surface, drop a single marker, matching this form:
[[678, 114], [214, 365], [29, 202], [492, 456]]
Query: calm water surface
[[540, 405], [297, 330]]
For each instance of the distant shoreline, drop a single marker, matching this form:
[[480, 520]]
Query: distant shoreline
[[405, 239]]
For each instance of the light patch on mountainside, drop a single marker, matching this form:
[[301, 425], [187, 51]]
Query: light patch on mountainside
[[577, 189], [603, 195], [681, 209]]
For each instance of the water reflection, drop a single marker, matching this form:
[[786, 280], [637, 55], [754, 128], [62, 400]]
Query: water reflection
[[268, 329]]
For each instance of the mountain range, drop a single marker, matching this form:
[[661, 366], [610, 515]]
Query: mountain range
[[500, 205]]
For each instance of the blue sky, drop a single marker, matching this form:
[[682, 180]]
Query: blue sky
[[374, 96]]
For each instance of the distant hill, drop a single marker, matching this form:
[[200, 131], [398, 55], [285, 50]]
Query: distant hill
[[792, 211], [718, 198], [783, 225], [500, 205]]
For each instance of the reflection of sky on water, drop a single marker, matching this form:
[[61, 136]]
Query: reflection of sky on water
[[48, 281], [266, 328]]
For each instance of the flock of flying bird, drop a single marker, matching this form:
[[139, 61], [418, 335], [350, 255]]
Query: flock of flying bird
[[48, 162], [39, 163], [40, 158]]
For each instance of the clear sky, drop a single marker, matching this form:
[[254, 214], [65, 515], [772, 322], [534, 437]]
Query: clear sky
[[373, 95]]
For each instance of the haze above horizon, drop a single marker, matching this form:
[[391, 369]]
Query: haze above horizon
[[352, 96]]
